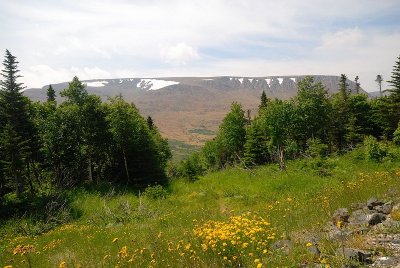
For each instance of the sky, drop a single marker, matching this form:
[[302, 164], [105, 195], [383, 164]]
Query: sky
[[98, 39]]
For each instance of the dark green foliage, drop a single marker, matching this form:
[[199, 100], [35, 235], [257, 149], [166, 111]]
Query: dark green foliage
[[256, 146], [344, 87], [264, 101], [155, 192], [357, 88], [395, 81], [278, 121], [315, 148], [396, 135], [313, 110], [374, 150], [16, 128], [138, 157], [227, 147], [51, 94]]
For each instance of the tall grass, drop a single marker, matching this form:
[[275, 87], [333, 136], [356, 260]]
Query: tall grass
[[157, 231]]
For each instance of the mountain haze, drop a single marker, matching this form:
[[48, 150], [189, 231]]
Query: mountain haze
[[189, 109]]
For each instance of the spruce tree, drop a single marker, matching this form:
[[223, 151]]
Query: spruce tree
[[395, 81], [264, 101], [344, 87], [51, 94], [357, 85], [379, 80], [14, 113]]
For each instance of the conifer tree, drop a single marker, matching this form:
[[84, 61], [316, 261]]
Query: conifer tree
[[395, 81], [344, 87], [379, 80], [264, 101], [16, 124], [51, 94], [357, 88]]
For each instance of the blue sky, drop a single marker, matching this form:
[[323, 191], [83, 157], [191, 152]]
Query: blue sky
[[55, 40]]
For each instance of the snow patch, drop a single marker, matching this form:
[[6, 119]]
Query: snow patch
[[240, 80], [208, 79], [120, 81], [154, 84], [268, 81], [251, 80], [280, 80], [293, 79], [230, 78], [96, 83]]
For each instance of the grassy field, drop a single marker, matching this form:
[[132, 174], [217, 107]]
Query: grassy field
[[227, 218]]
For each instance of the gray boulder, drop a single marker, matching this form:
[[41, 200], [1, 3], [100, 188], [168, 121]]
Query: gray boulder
[[376, 218], [373, 202]]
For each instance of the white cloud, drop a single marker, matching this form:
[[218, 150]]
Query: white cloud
[[119, 38], [179, 54]]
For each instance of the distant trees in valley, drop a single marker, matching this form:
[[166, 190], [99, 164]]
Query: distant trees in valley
[[312, 121]]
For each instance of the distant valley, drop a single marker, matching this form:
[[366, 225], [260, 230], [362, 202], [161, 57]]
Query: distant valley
[[188, 110]]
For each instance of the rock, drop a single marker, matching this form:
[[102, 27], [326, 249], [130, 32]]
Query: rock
[[314, 250], [385, 208], [386, 261], [376, 218], [359, 217], [361, 256], [342, 214], [373, 202], [283, 245]]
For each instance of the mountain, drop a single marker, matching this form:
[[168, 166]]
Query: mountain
[[189, 109]]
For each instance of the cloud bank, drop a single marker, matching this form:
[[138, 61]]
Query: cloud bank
[[111, 39]]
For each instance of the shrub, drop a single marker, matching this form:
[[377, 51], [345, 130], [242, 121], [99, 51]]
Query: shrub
[[374, 150], [396, 135], [155, 192], [316, 148]]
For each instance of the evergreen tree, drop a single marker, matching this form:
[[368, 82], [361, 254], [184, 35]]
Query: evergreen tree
[[344, 87], [357, 88], [395, 82], [150, 122], [15, 114], [264, 101], [255, 147], [51, 94], [379, 80]]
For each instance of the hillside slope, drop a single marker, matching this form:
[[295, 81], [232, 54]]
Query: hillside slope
[[189, 109]]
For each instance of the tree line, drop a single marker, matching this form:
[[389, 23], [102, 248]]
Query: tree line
[[286, 129], [81, 140]]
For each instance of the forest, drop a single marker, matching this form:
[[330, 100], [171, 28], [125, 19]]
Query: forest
[[313, 124], [46, 146]]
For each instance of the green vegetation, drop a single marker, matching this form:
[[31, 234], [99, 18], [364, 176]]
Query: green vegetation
[[83, 183], [202, 131], [162, 226]]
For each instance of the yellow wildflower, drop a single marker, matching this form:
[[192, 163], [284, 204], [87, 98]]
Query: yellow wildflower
[[309, 244], [63, 264], [259, 265]]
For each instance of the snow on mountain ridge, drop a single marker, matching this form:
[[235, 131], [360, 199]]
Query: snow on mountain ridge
[[154, 84]]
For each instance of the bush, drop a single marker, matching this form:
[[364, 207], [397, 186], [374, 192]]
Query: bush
[[316, 148], [374, 150], [396, 135], [155, 192]]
